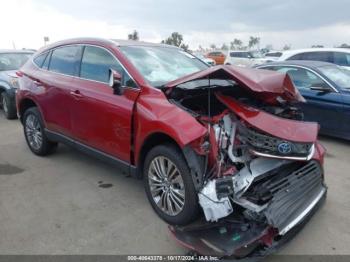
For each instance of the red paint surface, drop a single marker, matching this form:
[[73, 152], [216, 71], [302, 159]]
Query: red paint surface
[[291, 130], [266, 83]]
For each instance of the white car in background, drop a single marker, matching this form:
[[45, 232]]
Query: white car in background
[[338, 56], [244, 58], [273, 56]]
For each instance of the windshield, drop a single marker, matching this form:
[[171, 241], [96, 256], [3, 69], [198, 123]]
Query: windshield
[[13, 61], [337, 74], [159, 65]]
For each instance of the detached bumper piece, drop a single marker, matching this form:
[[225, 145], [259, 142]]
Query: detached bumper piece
[[230, 238], [294, 196]]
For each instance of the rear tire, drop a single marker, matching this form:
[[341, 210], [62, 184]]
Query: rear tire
[[34, 132], [8, 106], [169, 186]]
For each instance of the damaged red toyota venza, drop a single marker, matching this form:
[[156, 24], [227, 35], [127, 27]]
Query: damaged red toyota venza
[[225, 156]]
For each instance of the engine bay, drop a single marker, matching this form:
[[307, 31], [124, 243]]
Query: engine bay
[[249, 169]]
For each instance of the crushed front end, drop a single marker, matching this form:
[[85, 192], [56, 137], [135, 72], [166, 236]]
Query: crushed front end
[[258, 171]]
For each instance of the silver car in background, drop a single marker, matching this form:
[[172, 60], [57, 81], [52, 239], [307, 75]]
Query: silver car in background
[[10, 62]]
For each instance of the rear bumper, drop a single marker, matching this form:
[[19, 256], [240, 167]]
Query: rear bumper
[[233, 239]]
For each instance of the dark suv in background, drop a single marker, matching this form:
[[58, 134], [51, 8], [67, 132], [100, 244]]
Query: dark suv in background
[[10, 61]]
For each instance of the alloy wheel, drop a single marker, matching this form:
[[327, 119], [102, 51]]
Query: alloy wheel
[[166, 185], [33, 132]]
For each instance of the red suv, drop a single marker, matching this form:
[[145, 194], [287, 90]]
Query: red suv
[[217, 142]]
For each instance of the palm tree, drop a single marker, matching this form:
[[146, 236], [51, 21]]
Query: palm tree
[[236, 44], [253, 41], [133, 36]]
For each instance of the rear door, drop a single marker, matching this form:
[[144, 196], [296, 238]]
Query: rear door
[[55, 79], [101, 119]]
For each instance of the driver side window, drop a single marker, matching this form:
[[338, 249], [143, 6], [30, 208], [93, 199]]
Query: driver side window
[[303, 78], [95, 65]]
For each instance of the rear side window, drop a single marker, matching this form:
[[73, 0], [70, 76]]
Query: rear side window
[[46, 62], [215, 54], [342, 59], [236, 54], [39, 60], [276, 54], [296, 57], [319, 56], [64, 60], [314, 56], [96, 63]]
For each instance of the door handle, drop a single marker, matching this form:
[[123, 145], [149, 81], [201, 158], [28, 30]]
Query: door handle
[[76, 94]]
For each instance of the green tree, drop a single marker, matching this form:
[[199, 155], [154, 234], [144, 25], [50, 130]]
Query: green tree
[[133, 36], [224, 47], [287, 47], [213, 46], [176, 39], [253, 41], [344, 46], [236, 44]]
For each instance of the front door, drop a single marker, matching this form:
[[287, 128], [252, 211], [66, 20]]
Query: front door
[[101, 119], [324, 107]]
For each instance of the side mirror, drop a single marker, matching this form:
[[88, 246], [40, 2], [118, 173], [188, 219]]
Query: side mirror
[[321, 89], [115, 82]]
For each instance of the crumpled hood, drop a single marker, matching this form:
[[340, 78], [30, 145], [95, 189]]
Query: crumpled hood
[[268, 84], [287, 129]]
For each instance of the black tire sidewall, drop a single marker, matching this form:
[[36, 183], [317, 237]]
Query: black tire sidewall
[[11, 108], [191, 207], [46, 146]]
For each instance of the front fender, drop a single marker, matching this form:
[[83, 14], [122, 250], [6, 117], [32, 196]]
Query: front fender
[[155, 114]]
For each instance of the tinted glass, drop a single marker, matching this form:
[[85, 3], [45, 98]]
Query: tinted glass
[[276, 54], [39, 60], [303, 78], [318, 56], [236, 54], [96, 63], [159, 65], [337, 74], [342, 59], [13, 61], [64, 60], [296, 57], [46, 62]]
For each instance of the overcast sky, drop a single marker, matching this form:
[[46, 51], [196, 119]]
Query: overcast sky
[[299, 23]]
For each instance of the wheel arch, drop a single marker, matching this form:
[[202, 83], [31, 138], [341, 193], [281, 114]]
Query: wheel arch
[[150, 142], [25, 104]]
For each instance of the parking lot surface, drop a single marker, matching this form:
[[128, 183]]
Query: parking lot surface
[[70, 203]]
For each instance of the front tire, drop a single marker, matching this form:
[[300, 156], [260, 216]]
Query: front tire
[[34, 133], [169, 186], [8, 106]]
